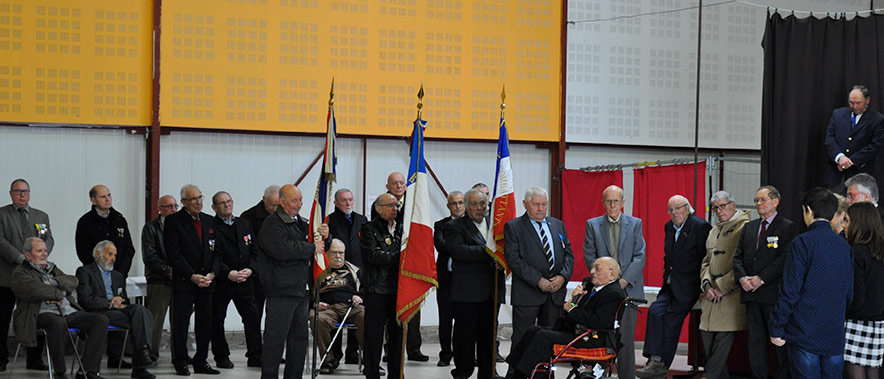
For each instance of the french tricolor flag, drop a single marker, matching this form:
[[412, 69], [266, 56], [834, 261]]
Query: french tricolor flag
[[417, 264]]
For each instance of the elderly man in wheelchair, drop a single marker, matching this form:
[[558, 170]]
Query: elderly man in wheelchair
[[589, 323]]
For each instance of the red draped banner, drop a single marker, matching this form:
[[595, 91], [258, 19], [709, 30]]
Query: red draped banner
[[653, 188], [582, 200]]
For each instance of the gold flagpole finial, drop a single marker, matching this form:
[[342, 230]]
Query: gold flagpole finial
[[331, 94], [502, 100], [420, 101]]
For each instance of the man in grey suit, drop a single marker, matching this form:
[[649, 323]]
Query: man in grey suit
[[629, 251], [18, 221], [538, 252]]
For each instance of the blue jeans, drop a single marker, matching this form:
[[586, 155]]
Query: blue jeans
[[808, 365]]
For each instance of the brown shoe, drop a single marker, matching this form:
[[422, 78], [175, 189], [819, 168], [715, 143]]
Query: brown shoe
[[652, 370]]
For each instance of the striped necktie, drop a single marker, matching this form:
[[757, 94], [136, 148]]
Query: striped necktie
[[547, 247]]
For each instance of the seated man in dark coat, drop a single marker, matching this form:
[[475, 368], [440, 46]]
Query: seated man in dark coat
[[338, 291], [593, 310], [103, 290]]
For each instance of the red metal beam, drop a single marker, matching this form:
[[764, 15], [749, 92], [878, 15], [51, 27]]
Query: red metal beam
[[152, 159]]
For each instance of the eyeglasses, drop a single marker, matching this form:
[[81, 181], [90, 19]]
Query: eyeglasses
[[616, 201], [228, 202], [169, 206], [854, 195], [389, 205], [21, 192], [676, 209], [332, 252], [716, 208], [198, 198]]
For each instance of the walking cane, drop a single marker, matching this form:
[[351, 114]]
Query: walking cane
[[338, 332], [68, 330]]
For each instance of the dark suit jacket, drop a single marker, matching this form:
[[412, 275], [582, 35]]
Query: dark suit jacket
[[766, 262], [597, 311], [153, 253], [861, 144], [90, 291], [472, 268], [186, 253], [285, 256], [234, 246], [525, 257], [12, 238], [682, 259], [442, 272], [348, 232]]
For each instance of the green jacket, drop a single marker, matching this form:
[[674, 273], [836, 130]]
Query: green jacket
[[30, 291]]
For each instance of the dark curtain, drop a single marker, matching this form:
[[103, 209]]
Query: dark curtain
[[810, 66], [582, 200]]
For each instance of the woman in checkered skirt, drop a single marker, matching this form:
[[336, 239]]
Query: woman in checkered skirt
[[864, 340]]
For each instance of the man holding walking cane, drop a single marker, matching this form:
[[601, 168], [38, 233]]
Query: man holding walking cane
[[339, 302]]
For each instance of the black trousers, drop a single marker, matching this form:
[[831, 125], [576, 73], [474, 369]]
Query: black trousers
[[758, 342], [259, 296], [473, 339], [186, 303], [93, 324], [446, 320], [665, 318], [286, 329], [536, 346], [380, 310], [243, 297], [7, 304], [138, 320]]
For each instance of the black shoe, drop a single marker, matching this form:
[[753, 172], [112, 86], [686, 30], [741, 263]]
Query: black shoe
[[88, 375], [112, 363], [225, 363], [142, 359], [140, 373], [181, 370], [443, 362], [38, 365], [381, 371], [417, 356], [204, 368], [2, 366], [254, 362]]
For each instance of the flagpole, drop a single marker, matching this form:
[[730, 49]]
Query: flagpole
[[317, 236], [495, 309]]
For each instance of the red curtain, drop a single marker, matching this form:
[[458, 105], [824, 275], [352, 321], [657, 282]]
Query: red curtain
[[582, 200], [653, 188]]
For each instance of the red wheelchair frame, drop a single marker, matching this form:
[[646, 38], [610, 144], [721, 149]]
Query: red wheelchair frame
[[587, 357]]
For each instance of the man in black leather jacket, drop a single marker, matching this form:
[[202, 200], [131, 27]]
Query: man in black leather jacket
[[380, 242]]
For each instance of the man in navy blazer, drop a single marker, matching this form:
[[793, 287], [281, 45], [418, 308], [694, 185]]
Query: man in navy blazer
[[540, 270], [189, 239], [758, 269], [473, 283], [684, 249], [102, 289], [629, 252], [853, 139]]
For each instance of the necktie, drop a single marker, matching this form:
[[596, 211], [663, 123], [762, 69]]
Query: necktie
[[547, 247], [591, 294], [761, 233], [852, 121], [25, 229]]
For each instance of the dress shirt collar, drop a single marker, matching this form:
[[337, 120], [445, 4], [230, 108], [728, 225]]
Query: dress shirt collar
[[613, 221]]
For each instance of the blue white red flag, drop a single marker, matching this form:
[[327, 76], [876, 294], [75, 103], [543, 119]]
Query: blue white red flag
[[504, 200], [417, 265], [323, 199]]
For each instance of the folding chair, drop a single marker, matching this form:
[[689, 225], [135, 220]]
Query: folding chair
[[40, 332], [110, 329], [587, 358]]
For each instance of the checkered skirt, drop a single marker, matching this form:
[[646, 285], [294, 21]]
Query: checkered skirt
[[864, 342]]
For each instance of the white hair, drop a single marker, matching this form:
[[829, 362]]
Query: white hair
[[185, 188], [271, 190], [535, 191]]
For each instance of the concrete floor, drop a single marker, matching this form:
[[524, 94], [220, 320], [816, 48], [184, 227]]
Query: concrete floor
[[413, 370]]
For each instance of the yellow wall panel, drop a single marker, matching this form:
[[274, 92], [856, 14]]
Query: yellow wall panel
[[268, 64], [76, 62]]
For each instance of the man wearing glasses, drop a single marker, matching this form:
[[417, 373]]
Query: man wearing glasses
[[684, 248], [157, 270], [189, 238], [18, 222], [863, 187], [619, 236], [758, 269]]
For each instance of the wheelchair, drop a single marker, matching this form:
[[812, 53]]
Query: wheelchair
[[588, 363]]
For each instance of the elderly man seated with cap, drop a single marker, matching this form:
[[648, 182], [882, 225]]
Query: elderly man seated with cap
[[338, 291]]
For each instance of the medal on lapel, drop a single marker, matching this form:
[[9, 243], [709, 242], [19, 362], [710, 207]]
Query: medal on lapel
[[773, 242]]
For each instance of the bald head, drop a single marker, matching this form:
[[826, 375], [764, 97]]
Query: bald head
[[100, 196], [396, 184], [679, 209], [613, 198], [604, 270], [387, 207], [290, 199]]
